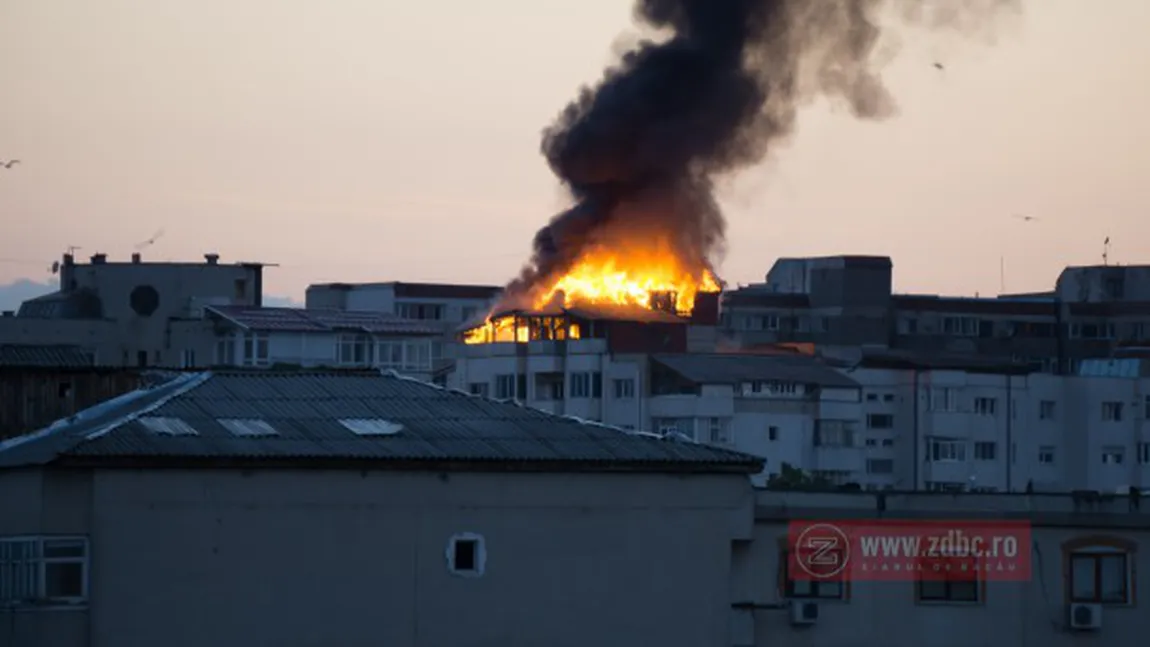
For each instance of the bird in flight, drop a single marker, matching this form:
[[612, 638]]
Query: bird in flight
[[9, 163], [1025, 218], [939, 66]]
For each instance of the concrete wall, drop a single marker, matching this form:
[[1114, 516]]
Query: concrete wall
[[349, 558], [1016, 614]]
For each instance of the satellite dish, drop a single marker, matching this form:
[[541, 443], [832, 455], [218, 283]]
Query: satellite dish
[[55, 267]]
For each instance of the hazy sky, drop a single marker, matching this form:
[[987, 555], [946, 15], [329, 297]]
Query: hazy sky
[[362, 140]]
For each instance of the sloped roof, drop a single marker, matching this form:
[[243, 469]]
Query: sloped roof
[[321, 320], [193, 417], [44, 356], [733, 368]]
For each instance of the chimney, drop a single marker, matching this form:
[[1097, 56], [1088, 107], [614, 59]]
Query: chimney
[[136, 258], [212, 259], [99, 259], [67, 273], [706, 310]]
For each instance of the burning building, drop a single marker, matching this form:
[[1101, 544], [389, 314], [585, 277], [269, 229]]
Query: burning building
[[641, 153]]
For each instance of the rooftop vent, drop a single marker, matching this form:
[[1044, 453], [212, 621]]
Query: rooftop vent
[[212, 259], [136, 258], [371, 426], [99, 259]]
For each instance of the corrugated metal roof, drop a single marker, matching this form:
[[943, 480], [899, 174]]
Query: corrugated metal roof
[[321, 320], [305, 410], [45, 356], [732, 368]]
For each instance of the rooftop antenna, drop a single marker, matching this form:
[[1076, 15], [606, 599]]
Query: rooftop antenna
[[1002, 274], [72, 249], [151, 241], [1106, 251]]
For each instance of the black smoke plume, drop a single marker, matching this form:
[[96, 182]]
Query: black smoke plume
[[640, 152]]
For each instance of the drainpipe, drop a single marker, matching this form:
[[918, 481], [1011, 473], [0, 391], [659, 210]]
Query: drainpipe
[[915, 427], [1009, 431]]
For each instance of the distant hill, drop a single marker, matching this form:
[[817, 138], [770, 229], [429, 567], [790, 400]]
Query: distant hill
[[15, 293]]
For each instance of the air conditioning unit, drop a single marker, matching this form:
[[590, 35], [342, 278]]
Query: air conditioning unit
[[1085, 617], [804, 613]]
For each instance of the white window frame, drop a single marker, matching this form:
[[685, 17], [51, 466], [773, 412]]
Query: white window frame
[[37, 565], [580, 385], [718, 431], [1112, 411], [1047, 409], [505, 386], [986, 406], [226, 350], [624, 388], [1113, 455], [943, 399], [480, 554], [946, 451], [255, 349]]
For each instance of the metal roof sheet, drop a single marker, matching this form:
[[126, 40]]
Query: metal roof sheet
[[45, 356], [305, 409], [321, 320], [733, 368]]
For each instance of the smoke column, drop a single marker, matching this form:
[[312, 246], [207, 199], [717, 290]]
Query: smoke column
[[640, 151]]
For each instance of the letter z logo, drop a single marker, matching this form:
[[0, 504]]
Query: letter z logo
[[822, 551]]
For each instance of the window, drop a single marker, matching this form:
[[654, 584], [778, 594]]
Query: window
[[888, 442], [466, 555], [833, 433], [717, 431], [960, 326], [985, 451], [417, 355], [871, 442], [255, 349], [950, 579], [879, 466], [424, 311], [772, 433], [355, 350], [467, 313], [1112, 411], [1144, 453], [947, 451], [773, 388], [586, 384], [821, 589], [769, 323], [1046, 410], [675, 426], [389, 354], [1099, 575], [985, 406], [505, 386], [943, 399], [624, 388], [1046, 454], [879, 421], [872, 397], [188, 359], [478, 388], [1113, 455], [43, 570], [399, 354], [226, 351], [141, 358], [888, 397]]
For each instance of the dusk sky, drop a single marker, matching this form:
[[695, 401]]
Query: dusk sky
[[356, 140]]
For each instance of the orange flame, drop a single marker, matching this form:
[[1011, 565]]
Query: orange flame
[[608, 277], [615, 274]]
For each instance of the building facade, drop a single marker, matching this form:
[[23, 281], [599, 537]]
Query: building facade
[[171, 516]]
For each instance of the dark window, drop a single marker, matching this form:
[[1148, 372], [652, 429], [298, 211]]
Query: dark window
[[464, 555], [142, 358], [810, 589], [1100, 578]]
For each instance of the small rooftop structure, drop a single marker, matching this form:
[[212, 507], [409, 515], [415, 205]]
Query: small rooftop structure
[[362, 419]]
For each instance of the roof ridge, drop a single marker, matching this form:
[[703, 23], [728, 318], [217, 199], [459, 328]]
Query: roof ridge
[[180, 386]]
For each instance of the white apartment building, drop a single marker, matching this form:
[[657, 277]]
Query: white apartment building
[[266, 337], [446, 304], [889, 421]]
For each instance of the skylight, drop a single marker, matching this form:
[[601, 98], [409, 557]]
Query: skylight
[[248, 427], [167, 426], [371, 426]]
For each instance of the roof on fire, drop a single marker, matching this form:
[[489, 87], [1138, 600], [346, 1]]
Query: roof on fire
[[596, 312], [362, 419]]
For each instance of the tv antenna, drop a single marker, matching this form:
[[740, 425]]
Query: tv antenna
[[72, 249], [151, 241], [1106, 251]]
